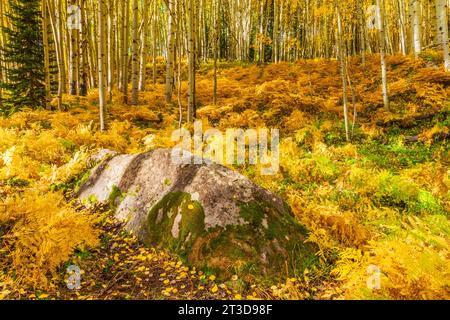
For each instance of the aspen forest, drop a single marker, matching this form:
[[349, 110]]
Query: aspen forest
[[224, 150]]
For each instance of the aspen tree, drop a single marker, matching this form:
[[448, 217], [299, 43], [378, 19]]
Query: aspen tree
[[101, 57], [381, 8], [192, 58], [117, 51], [135, 56], [170, 51], [46, 52], [125, 38], [261, 33], [362, 36], [60, 29], [58, 51], [343, 67], [415, 18], [105, 46], [143, 54], [110, 49], [73, 49], [84, 51], [275, 32], [216, 17], [154, 33], [402, 24], [180, 55], [441, 10]]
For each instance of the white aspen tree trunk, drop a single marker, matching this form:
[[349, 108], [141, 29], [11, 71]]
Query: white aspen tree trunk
[[90, 44], [216, 17], [170, 51], [384, 83], [191, 57], [362, 37], [441, 10], [154, 32], [402, 23], [73, 57], [77, 58], [415, 14], [120, 42], [92, 56], [101, 57], [60, 29], [110, 42], [46, 53], [84, 52], [125, 35], [65, 33], [282, 30], [143, 55], [275, 31], [343, 68], [58, 51], [261, 33], [105, 47], [117, 52], [135, 56], [197, 35], [201, 32], [179, 56], [387, 38]]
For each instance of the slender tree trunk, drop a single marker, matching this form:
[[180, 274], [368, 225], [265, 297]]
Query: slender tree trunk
[[61, 45], [46, 53], [275, 31], [170, 51], [73, 57], [180, 55], [58, 51], [381, 7], [125, 35], [192, 58], [362, 36], [261, 33], [135, 56], [101, 57], [143, 56], [154, 33], [110, 48], [441, 10], [343, 68], [216, 15], [84, 52], [402, 25], [416, 27]]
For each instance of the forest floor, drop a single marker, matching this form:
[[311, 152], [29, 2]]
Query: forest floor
[[381, 199]]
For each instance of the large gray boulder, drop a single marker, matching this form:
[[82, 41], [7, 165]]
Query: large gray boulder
[[212, 216]]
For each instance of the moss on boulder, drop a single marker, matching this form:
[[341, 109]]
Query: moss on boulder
[[211, 216]]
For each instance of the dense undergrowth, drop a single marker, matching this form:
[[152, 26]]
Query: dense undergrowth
[[382, 199]]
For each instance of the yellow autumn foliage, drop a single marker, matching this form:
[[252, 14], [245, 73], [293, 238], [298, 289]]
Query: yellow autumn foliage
[[373, 201], [44, 232]]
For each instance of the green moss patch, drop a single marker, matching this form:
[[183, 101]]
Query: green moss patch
[[176, 222], [266, 243]]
